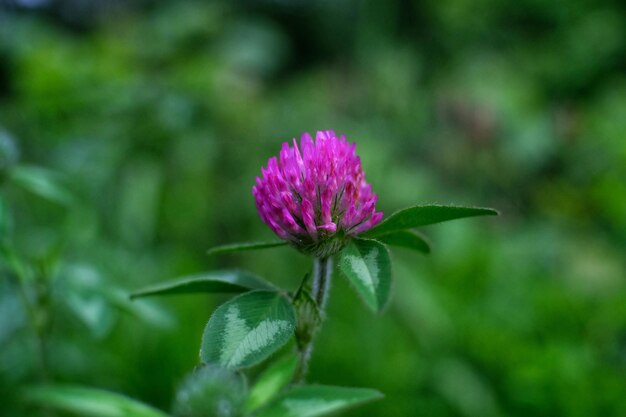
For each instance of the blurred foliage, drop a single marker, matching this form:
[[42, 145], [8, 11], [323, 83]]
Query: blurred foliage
[[211, 392], [131, 133]]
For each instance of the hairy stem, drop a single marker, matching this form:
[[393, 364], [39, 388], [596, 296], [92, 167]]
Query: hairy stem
[[322, 274]]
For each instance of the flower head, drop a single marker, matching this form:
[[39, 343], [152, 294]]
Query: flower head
[[315, 196]]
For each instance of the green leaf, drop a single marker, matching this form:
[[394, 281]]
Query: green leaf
[[96, 301], [276, 377], [367, 265], [417, 216], [239, 247], [92, 311], [227, 281], [409, 239], [5, 218], [83, 401], [247, 329], [41, 182], [318, 400], [10, 258]]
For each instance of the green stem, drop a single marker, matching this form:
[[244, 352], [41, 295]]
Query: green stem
[[39, 328], [36, 325], [35, 311], [322, 274]]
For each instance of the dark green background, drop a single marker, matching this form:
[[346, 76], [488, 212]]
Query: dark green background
[[158, 115]]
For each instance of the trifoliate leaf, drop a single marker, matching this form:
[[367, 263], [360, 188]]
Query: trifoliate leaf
[[239, 247], [417, 216], [272, 381], [247, 329], [317, 401], [367, 265], [408, 239], [209, 282]]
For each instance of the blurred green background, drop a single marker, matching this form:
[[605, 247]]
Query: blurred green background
[[131, 133]]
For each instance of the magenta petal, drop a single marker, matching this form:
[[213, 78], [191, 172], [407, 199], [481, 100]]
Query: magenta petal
[[308, 215], [311, 191], [371, 222], [329, 227]]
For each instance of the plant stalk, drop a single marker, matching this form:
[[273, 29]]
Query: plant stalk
[[35, 322], [322, 275]]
